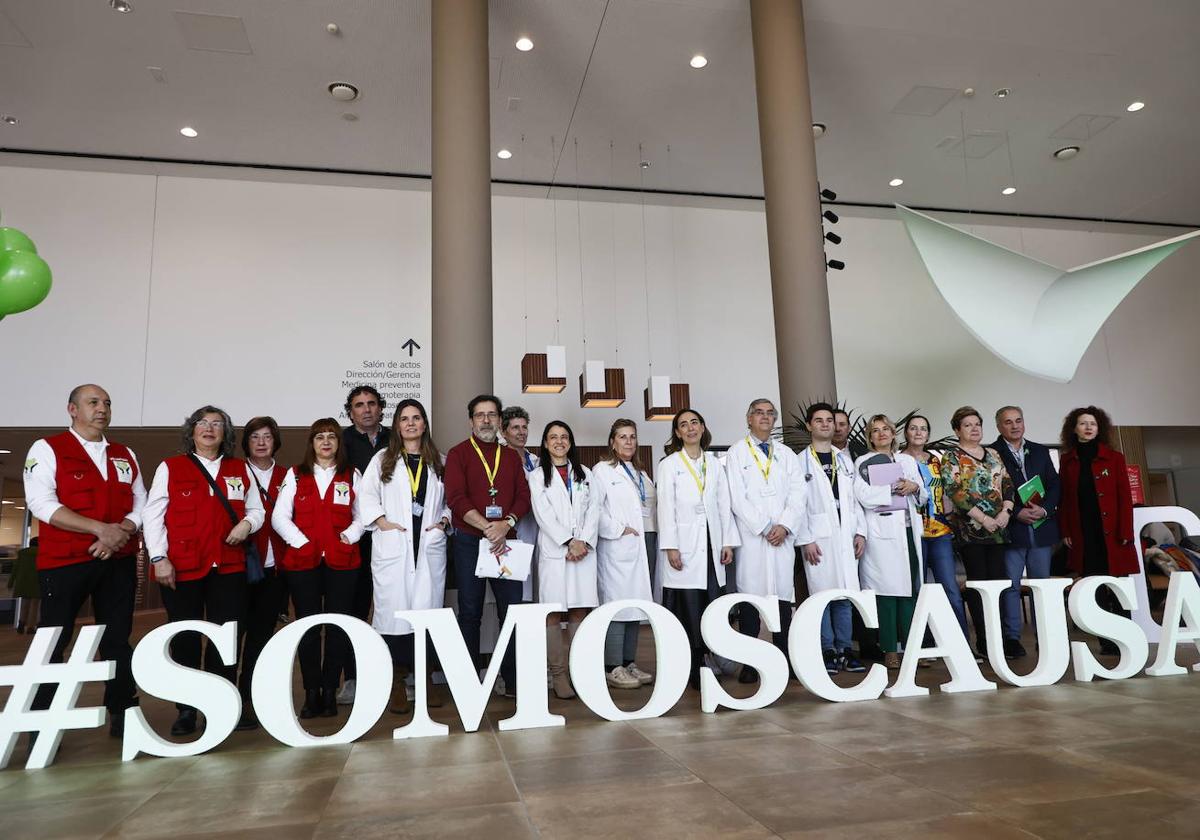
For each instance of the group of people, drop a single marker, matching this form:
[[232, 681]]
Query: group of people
[[372, 520]]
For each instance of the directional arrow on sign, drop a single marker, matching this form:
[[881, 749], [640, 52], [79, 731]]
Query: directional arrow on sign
[[410, 346]]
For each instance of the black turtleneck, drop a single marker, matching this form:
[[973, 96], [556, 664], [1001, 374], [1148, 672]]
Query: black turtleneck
[[1095, 554]]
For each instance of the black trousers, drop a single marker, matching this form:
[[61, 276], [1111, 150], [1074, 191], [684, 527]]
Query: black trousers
[[111, 585], [688, 606], [265, 600], [403, 650], [982, 561], [323, 590], [750, 623], [216, 598], [464, 552], [364, 594]]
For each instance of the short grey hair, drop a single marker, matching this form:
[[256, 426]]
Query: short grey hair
[[759, 401], [513, 412], [1000, 411], [227, 433]]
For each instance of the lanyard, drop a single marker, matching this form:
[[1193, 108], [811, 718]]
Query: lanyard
[[414, 481], [641, 480], [766, 471], [833, 467], [701, 479], [493, 471], [528, 462]]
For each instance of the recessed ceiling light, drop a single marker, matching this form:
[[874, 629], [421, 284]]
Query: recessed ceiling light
[[645, 164], [818, 130], [895, 182], [9, 119], [1008, 190], [698, 61], [1002, 93], [1135, 106], [5, 502], [122, 6], [188, 131], [5, 451], [343, 91], [1066, 152], [504, 154], [524, 44]]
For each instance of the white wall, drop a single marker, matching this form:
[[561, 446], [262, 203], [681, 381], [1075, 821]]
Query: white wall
[[173, 289]]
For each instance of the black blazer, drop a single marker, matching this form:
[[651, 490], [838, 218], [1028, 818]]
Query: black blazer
[[1037, 462]]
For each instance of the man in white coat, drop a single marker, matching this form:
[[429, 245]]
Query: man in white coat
[[514, 426], [766, 489], [831, 534]]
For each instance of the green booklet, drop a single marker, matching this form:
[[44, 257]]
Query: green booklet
[[1033, 492]]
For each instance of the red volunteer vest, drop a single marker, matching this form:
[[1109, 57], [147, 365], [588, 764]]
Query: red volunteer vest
[[196, 521], [82, 489], [322, 519], [266, 534]]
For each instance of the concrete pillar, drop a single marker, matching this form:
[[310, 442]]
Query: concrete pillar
[[803, 340], [462, 215]]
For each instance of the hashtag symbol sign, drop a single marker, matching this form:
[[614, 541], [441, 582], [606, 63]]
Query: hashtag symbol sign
[[49, 724]]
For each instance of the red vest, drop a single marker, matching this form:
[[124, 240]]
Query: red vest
[[322, 519], [266, 534], [83, 490], [196, 521]]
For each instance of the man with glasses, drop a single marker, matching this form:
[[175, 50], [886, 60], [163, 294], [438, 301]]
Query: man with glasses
[[514, 426], [766, 490], [488, 493]]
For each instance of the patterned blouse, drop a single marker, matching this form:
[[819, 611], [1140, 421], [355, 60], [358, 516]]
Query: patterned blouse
[[935, 523], [970, 483]]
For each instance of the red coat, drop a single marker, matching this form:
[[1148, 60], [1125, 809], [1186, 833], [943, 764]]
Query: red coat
[[1116, 510], [266, 534], [196, 521], [322, 519], [81, 488]]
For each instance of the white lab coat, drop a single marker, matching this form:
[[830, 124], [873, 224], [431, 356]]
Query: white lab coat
[[884, 565], [562, 517], [682, 527], [402, 581], [759, 503], [623, 568], [527, 532], [838, 568]]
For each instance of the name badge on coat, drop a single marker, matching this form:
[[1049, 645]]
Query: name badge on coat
[[493, 512], [235, 488], [418, 509], [700, 511], [124, 470], [341, 492]]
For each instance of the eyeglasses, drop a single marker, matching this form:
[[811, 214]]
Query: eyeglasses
[[485, 415], [759, 412], [210, 424]]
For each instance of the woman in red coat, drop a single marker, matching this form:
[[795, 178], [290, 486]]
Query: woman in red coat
[[1096, 512]]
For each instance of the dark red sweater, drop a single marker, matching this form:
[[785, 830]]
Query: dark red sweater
[[467, 484]]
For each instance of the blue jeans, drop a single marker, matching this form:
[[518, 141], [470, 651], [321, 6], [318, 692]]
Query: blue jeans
[[1033, 563], [939, 559], [837, 626], [471, 591]]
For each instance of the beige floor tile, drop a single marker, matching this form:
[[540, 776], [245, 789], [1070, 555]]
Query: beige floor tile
[[233, 808], [726, 724], [80, 818], [564, 775], [413, 788], [1144, 814], [457, 750], [140, 776], [715, 760], [573, 739], [831, 798], [494, 822], [665, 812], [1164, 764], [975, 826], [893, 739], [1033, 729], [278, 764]]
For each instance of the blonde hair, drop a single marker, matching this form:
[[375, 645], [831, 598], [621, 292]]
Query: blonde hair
[[884, 419]]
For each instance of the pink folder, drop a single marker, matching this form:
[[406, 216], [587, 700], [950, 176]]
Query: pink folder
[[887, 475]]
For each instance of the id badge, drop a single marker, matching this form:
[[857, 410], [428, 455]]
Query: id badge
[[645, 511], [700, 511], [418, 508], [767, 491], [493, 512]]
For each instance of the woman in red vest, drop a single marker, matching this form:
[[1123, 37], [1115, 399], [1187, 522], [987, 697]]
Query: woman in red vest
[[316, 516], [201, 507], [1096, 511], [267, 598]]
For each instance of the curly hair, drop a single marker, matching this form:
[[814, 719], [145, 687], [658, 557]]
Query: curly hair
[[1103, 434], [228, 436]]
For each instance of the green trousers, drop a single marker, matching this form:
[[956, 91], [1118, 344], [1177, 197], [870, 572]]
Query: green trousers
[[895, 612]]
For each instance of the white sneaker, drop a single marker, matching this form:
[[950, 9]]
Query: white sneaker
[[620, 678], [638, 674], [345, 695]]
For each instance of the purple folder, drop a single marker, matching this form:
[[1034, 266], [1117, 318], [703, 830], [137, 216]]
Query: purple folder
[[887, 475]]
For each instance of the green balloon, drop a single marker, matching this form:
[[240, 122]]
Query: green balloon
[[12, 239], [24, 281]]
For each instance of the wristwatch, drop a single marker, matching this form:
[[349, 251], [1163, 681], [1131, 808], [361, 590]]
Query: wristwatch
[[511, 520], [154, 560]]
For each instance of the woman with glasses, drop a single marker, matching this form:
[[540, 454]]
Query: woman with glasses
[[202, 506]]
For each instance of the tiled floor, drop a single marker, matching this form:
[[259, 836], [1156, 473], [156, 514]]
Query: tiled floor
[[1070, 760]]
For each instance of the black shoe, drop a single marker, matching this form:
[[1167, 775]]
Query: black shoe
[[313, 703], [1013, 649], [832, 662], [849, 663], [116, 724], [185, 724], [748, 675], [1109, 648], [329, 708], [247, 721]]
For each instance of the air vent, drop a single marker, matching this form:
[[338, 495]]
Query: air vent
[[343, 91], [213, 33]]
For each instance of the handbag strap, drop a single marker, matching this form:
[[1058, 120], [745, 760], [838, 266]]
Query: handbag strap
[[266, 497], [216, 488]]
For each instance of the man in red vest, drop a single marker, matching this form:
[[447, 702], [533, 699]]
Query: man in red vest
[[88, 494]]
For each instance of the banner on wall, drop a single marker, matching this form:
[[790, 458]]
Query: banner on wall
[[1135, 484]]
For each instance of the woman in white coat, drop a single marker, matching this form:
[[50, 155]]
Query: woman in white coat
[[831, 534], [403, 501], [891, 565], [766, 491], [567, 509], [696, 532], [627, 501]]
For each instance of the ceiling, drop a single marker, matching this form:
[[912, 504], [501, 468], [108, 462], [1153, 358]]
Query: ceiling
[[606, 77]]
